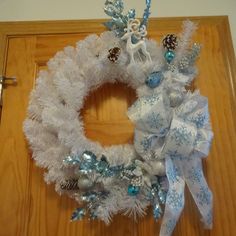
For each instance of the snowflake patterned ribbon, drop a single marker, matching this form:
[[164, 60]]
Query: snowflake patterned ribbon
[[181, 136]]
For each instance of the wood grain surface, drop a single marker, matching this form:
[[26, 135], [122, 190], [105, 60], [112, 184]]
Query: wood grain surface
[[29, 207]]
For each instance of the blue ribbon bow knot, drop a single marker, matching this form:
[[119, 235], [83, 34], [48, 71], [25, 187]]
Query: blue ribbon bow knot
[[181, 136]]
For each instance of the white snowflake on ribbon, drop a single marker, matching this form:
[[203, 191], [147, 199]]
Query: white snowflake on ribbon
[[175, 199], [155, 120], [173, 174], [204, 196], [181, 135], [195, 175]]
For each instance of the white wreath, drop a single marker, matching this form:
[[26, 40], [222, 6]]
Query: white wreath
[[55, 130]]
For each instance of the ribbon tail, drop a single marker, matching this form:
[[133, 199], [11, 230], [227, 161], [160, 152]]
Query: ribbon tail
[[199, 189], [175, 197]]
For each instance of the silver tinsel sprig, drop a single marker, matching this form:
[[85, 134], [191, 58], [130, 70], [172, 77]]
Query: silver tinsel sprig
[[191, 57], [194, 53]]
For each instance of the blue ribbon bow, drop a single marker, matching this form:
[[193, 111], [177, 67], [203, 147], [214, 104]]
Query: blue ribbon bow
[[181, 136]]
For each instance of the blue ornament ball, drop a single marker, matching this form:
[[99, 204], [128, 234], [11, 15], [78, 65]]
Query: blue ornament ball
[[154, 79], [169, 56], [133, 190]]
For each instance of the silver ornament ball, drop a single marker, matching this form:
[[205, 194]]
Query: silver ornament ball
[[84, 183], [176, 98], [158, 168]]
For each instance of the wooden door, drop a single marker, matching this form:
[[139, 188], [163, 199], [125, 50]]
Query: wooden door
[[30, 207]]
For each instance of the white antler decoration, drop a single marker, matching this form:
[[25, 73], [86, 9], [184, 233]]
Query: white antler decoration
[[133, 28]]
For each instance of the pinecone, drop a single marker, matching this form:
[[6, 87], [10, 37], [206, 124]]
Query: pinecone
[[70, 184], [114, 54], [170, 42]]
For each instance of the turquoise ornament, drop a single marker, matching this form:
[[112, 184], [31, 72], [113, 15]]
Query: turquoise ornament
[[169, 56], [78, 214], [154, 79], [133, 190]]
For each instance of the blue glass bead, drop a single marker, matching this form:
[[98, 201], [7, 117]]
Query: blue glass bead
[[169, 56], [154, 79], [133, 190]]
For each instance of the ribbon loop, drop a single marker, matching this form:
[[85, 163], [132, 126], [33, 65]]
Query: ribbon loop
[[151, 114], [180, 139]]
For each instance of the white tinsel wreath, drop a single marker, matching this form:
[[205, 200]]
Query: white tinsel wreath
[[172, 129]]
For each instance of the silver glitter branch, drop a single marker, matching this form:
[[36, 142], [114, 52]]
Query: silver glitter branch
[[191, 57], [194, 53]]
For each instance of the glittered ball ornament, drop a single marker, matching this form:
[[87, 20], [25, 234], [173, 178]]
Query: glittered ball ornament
[[133, 190], [84, 183], [159, 168], [154, 79], [169, 56], [176, 98]]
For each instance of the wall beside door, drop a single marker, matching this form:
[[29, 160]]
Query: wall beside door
[[14, 10]]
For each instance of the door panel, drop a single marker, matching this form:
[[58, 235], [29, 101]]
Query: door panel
[[30, 207]]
